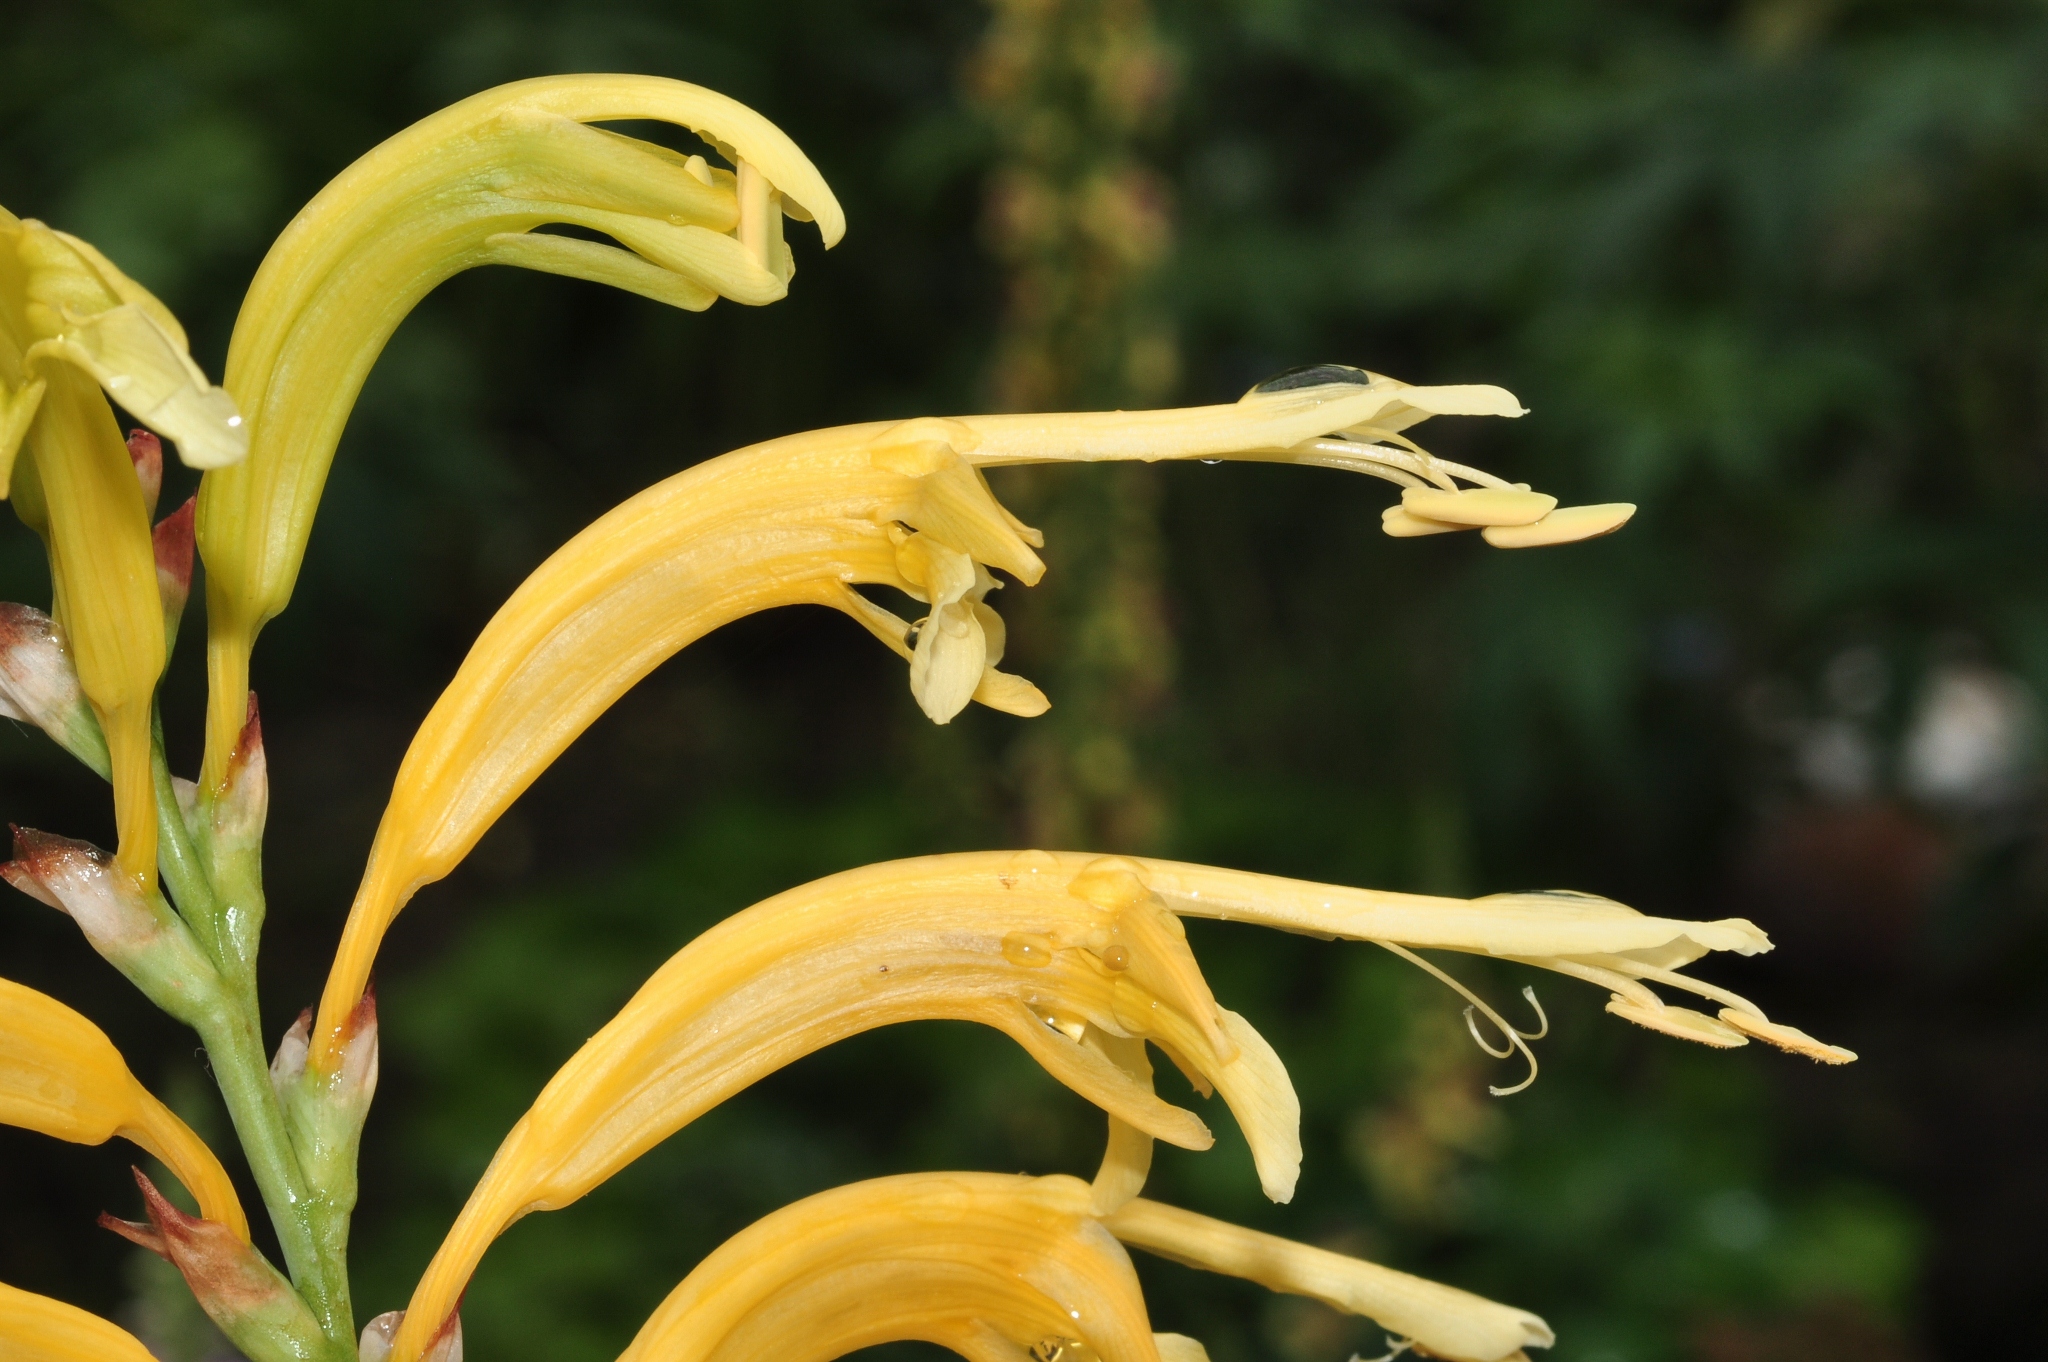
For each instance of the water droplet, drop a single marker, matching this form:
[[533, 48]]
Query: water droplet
[[1117, 958], [1028, 949], [1211, 462], [1314, 376], [1034, 863]]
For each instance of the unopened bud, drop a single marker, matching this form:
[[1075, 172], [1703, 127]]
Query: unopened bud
[[127, 923], [39, 685], [148, 453], [172, 540], [248, 1298]]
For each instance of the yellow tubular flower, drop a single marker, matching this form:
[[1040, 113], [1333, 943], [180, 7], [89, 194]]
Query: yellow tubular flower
[[466, 187], [802, 520], [990, 1265], [37, 1329], [794, 521], [1583, 936], [60, 1075], [80, 492], [1441, 1321], [1079, 968]]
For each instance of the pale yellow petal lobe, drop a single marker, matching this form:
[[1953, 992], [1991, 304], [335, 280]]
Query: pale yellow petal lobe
[[1442, 1320]]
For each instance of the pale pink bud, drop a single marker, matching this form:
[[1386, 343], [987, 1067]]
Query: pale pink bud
[[39, 684], [148, 453], [126, 922]]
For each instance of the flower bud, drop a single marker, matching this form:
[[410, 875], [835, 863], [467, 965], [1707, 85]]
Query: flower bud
[[248, 1298], [127, 923], [39, 685]]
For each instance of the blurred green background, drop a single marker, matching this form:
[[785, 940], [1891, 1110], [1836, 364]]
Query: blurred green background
[[1774, 270]]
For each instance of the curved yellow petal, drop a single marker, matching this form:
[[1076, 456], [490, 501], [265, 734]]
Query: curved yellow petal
[[37, 1329], [989, 1265], [794, 521], [965, 938], [1441, 1321], [460, 189], [61, 1076], [86, 312]]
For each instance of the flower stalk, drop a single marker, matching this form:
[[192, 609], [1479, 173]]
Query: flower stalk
[[1081, 959]]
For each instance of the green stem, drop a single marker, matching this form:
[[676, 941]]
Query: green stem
[[313, 1237], [178, 859], [318, 1271]]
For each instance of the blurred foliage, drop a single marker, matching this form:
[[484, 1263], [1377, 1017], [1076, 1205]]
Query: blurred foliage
[[1775, 270]]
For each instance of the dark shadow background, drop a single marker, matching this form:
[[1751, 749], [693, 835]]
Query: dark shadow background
[[1777, 271]]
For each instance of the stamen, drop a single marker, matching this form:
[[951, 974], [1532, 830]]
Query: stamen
[[1611, 980], [1517, 1040], [1480, 1041]]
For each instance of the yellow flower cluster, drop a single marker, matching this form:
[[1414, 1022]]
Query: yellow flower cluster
[[1082, 960]]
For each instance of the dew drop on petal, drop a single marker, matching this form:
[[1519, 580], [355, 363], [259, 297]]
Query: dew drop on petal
[[1117, 958], [1028, 949]]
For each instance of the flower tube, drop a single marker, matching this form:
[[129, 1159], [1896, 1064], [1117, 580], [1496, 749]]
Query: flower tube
[[1079, 969], [990, 1265], [60, 1075], [800, 520], [37, 1329], [463, 188], [791, 522]]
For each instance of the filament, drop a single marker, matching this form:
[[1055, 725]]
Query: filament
[[1516, 1040], [1674, 979]]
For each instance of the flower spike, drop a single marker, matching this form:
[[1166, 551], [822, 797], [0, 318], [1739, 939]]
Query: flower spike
[[61, 1076], [463, 188], [1079, 975], [37, 1329], [1438, 1321], [992, 1266]]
